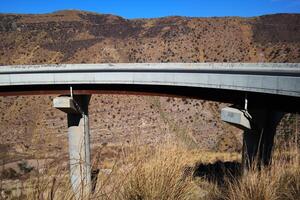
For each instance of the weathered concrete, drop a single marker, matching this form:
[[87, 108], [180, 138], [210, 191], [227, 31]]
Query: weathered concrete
[[235, 117], [259, 127], [79, 141], [271, 78], [65, 104], [258, 141]]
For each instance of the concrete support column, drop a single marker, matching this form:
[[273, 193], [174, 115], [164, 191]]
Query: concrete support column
[[259, 127], [258, 141], [76, 108]]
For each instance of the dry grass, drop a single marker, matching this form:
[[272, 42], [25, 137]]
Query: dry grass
[[160, 177], [279, 181], [163, 173]]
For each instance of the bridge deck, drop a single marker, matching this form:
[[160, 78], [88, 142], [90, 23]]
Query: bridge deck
[[271, 78]]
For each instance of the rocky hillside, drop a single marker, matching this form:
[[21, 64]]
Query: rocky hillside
[[31, 128]]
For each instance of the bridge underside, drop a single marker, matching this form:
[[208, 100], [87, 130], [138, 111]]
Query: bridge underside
[[257, 142], [256, 100]]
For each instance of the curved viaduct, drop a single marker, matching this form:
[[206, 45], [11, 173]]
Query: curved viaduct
[[227, 82], [258, 91]]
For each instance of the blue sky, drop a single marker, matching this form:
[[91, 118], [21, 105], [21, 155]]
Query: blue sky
[[156, 8]]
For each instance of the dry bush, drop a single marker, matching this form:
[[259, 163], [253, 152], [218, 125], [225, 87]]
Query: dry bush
[[160, 177], [208, 190], [52, 183], [289, 184], [255, 186], [160, 172], [279, 181]]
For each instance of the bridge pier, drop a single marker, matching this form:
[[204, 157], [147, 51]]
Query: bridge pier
[[76, 108], [258, 141], [259, 127]]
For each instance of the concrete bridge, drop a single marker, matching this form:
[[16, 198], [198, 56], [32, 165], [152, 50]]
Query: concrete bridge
[[260, 92]]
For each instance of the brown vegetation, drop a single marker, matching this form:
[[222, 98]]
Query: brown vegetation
[[168, 173]]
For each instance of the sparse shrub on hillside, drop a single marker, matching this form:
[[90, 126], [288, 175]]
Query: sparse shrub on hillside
[[25, 167], [9, 174]]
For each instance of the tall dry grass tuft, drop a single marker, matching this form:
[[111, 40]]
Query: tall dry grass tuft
[[281, 180], [255, 186], [52, 183], [289, 184], [160, 177]]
